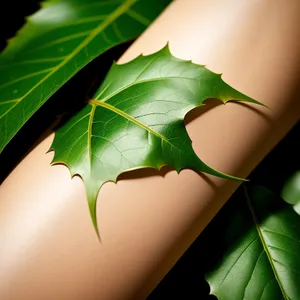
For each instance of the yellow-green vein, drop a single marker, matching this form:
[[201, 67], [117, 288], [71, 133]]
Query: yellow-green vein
[[265, 246], [128, 117], [110, 18], [134, 15], [90, 127]]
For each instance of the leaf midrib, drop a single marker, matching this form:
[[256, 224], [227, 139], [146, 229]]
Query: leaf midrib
[[90, 126], [103, 103], [108, 20], [128, 117], [265, 246]]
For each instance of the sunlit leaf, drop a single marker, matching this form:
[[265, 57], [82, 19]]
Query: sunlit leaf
[[291, 191], [136, 120], [56, 42]]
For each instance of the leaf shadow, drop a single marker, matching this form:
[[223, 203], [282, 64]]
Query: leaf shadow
[[212, 103], [208, 251], [151, 172], [197, 112], [262, 114]]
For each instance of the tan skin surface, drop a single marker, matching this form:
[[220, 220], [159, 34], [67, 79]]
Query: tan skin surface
[[48, 247]]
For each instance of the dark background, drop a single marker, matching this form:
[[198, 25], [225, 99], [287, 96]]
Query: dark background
[[186, 279]]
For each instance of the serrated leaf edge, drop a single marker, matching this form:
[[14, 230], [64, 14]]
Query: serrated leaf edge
[[165, 49]]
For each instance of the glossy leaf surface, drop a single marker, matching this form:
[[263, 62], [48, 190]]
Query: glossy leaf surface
[[291, 191], [56, 42], [136, 120], [261, 250]]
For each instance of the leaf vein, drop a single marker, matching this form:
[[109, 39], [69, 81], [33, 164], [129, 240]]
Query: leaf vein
[[288, 267], [58, 41], [280, 234], [128, 117], [262, 239], [90, 127], [138, 17], [262, 252], [236, 260], [83, 117], [24, 77], [114, 15], [283, 250], [141, 82]]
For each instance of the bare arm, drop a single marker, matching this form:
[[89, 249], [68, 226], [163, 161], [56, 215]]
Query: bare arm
[[48, 248]]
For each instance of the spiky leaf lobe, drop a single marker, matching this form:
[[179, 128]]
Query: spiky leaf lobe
[[136, 120]]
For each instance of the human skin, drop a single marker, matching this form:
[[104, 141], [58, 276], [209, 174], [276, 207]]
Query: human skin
[[48, 246]]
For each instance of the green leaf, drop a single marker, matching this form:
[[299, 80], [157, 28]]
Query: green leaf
[[261, 250], [136, 120], [57, 41], [291, 191]]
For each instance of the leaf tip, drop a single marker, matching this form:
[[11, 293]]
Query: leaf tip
[[92, 192], [214, 172], [51, 148], [95, 224], [166, 48], [178, 170], [247, 99]]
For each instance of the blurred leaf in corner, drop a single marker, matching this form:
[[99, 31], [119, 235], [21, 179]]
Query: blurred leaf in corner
[[291, 191], [261, 246]]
